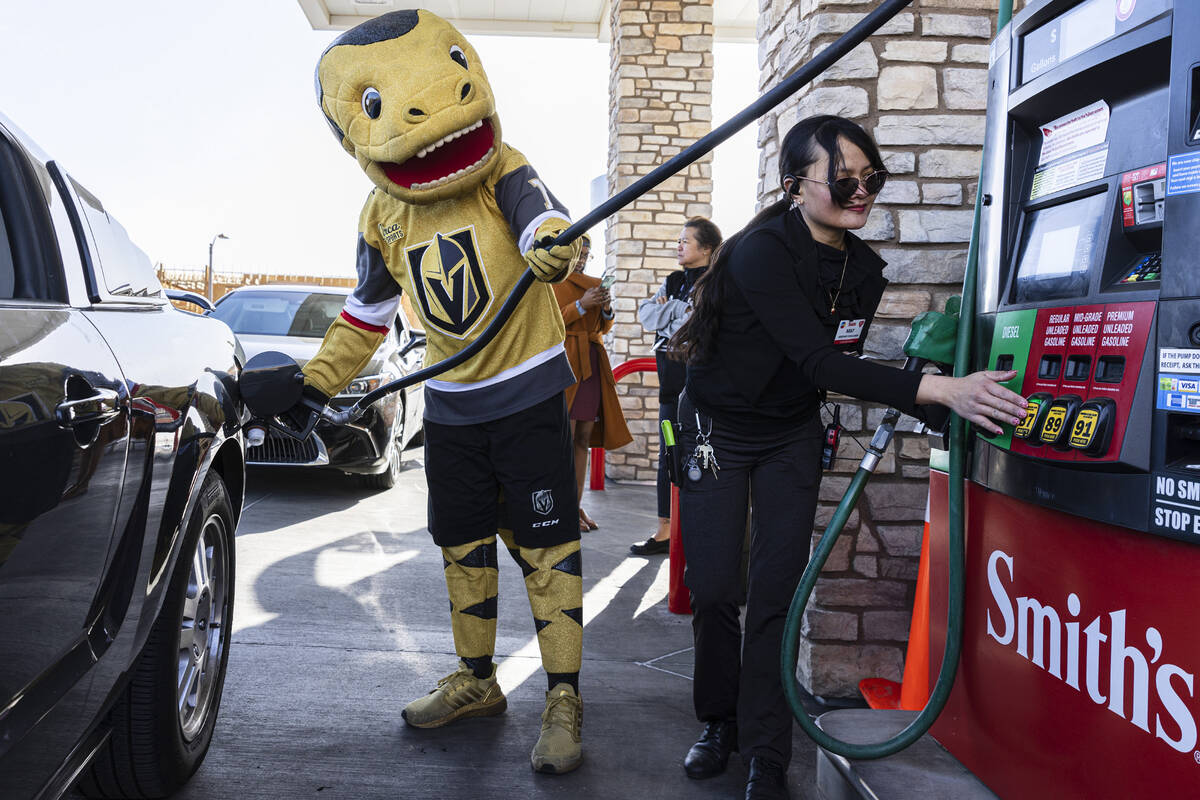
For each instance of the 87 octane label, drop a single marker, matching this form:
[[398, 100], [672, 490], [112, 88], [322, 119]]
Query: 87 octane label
[[1176, 506]]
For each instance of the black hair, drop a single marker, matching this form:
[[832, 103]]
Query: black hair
[[707, 233], [802, 146]]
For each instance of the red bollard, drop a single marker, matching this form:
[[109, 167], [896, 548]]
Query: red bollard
[[678, 599]]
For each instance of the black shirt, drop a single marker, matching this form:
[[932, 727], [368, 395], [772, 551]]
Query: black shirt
[[777, 343]]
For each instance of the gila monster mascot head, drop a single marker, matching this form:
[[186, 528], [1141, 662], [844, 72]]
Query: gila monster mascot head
[[405, 95]]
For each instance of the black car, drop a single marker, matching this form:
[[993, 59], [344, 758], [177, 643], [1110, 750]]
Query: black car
[[293, 320], [121, 483]]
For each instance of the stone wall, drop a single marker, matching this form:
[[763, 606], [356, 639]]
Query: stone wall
[[660, 101], [918, 86]]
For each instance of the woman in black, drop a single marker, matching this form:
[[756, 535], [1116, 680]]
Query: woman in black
[[778, 318]]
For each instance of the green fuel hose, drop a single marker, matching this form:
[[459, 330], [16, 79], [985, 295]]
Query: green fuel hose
[[879, 443]]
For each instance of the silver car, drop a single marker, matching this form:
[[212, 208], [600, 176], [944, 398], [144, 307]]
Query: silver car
[[293, 320]]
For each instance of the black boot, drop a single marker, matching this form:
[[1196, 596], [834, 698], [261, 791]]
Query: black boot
[[767, 780], [708, 757]]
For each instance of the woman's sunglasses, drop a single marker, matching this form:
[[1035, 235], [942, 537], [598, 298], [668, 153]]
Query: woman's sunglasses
[[843, 189]]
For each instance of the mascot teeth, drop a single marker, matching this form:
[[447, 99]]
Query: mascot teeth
[[424, 151], [457, 173]]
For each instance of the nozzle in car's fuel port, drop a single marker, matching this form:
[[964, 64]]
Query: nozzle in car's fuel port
[[1093, 426], [1060, 416], [1030, 428]]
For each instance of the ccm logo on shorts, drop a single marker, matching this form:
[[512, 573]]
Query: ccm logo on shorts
[[543, 503], [849, 331]]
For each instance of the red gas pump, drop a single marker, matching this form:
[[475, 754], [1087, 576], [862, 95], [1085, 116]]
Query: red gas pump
[[1079, 661]]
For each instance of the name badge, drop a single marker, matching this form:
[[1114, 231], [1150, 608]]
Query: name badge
[[849, 331]]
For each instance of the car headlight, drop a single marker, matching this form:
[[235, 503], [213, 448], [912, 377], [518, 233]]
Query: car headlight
[[362, 384]]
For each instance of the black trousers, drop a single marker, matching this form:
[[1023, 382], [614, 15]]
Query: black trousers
[[672, 375], [778, 475]]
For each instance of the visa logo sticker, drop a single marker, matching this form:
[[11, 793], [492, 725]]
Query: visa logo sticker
[[849, 331], [1188, 386]]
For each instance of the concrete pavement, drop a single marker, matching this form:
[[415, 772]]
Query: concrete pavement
[[341, 618]]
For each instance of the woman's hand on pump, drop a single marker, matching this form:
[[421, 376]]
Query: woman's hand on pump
[[978, 398]]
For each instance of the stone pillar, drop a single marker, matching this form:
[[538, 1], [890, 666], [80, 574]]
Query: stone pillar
[[918, 86], [660, 101]]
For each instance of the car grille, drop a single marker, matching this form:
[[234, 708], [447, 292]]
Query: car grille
[[279, 448]]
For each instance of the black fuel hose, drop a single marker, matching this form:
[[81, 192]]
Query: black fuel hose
[[701, 147]]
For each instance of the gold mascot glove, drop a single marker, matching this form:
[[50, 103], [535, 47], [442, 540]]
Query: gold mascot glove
[[344, 352], [552, 265]]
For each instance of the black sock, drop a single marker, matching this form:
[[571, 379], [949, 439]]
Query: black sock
[[481, 667], [569, 678]]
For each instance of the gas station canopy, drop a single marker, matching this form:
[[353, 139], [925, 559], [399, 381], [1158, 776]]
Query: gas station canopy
[[734, 20]]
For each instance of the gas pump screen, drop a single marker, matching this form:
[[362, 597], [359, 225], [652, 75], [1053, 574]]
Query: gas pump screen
[[1058, 248]]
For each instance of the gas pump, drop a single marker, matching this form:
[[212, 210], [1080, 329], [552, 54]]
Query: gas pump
[[1079, 659]]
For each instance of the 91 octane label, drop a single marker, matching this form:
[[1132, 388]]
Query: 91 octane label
[[1026, 427], [1176, 506], [1056, 417], [1085, 428]]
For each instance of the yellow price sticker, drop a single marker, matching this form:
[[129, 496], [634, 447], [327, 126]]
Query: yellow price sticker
[[1085, 428], [1026, 427], [1055, 419]]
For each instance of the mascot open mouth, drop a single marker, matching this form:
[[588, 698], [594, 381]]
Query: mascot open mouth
[[447, 159]]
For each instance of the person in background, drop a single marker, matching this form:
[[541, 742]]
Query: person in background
[[662, 315], [596, 416], [778, 319]]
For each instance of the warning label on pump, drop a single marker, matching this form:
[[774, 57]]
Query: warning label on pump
[[1082, 168], [1178, 359], [1077, 131], [1176, 506], [1183, 174]]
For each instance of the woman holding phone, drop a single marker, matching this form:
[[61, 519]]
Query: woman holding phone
[[596, 417]]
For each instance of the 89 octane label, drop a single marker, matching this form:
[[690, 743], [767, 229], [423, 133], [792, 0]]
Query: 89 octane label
[[1176, 506]]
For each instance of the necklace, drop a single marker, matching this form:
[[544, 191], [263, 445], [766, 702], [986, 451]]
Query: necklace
[[833, 296]]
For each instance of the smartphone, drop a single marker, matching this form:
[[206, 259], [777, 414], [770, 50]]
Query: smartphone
[[607, 281]]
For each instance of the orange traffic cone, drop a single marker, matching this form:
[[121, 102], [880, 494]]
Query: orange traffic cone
[[881, 693]]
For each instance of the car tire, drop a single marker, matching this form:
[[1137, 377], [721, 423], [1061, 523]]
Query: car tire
[[395, 463], [163, 723]]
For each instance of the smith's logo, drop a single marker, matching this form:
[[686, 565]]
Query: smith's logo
[[543, 501], [1044, 637], [450, 282], [391, 233]]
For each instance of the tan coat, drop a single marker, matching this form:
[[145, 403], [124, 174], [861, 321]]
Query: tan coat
[[610, 432]]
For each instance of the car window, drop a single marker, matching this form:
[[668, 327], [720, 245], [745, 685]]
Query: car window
[[280, 313], [127, 270], [8, 273]]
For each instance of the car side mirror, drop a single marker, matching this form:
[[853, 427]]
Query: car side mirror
[[415, 339], [178, 296]]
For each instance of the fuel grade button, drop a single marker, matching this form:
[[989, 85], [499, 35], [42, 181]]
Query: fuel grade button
[[1035, 416], [1060, 418], [1093, 427]]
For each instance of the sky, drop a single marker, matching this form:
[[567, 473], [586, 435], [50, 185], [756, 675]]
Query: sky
[[192, 119]]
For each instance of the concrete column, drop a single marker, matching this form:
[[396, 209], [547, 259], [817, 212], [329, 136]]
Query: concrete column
[[660, 101]]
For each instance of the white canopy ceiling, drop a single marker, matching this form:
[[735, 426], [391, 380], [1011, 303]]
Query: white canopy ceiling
[[735, 20]]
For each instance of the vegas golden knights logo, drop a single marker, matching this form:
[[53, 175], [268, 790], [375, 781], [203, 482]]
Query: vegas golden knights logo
[[450, 283]]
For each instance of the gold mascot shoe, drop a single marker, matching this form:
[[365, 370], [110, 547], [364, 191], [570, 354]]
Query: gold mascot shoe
[[459, 694], [559, 749]]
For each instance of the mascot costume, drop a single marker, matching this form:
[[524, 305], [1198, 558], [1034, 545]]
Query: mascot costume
[[454, 220]]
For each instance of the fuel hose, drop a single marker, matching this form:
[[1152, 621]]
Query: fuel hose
[[697, 150], [882, 438]]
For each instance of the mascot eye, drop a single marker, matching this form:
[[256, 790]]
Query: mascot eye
[[372, 103], [458, 55]]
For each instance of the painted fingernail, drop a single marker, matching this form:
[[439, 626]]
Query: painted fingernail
[[1016, 420]]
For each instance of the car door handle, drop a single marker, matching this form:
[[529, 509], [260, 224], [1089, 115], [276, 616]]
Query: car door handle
[[103, 405]]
